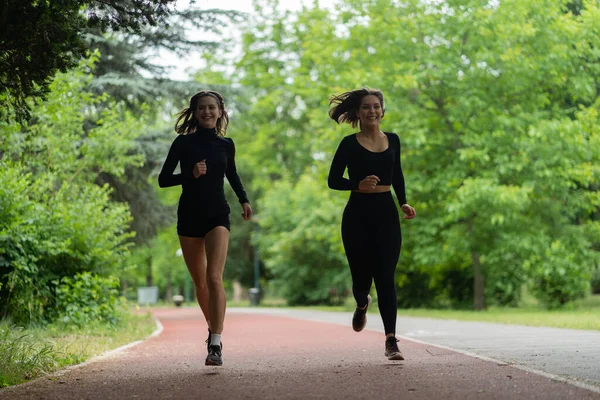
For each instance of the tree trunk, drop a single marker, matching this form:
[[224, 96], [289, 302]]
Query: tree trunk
[[169, 287], [479, 283], [149, 278], [479, 280]]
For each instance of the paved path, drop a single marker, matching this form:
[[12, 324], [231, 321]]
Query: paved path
[[285, 357]]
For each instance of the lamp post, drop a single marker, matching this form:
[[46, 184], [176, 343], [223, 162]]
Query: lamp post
[[254, 293], [187, 287]]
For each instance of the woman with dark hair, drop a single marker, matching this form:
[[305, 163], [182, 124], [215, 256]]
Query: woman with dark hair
[[370, 224], [205, 157]]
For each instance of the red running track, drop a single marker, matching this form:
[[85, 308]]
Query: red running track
[[272, 357]]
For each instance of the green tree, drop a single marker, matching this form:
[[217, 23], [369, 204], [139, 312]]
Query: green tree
[[129, 68], [493, 104], [40, 38], [494, 75], [70, 138]]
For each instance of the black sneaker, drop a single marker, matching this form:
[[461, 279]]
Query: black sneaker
[[207, 341], [359, 319], [214, 356], [391, 349]]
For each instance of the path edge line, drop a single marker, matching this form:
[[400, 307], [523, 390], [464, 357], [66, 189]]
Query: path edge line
[[558, 378], [570, 381]]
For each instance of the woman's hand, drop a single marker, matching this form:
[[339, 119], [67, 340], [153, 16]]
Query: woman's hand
[[247, 211], [368, 183], [199, 169], [409, 211]]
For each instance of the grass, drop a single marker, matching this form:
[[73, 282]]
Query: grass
[[582, 314], [27, 353], [579, 319]]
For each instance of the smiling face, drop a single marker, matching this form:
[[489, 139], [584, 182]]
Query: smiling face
[[208, 111], [370, 111]]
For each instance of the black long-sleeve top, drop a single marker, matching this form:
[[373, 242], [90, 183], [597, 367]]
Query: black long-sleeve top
[[219, 153], [361, 163]]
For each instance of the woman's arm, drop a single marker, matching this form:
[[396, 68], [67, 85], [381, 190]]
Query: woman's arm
[[339, 163], [398, 177], [233, 177], [166, 178]]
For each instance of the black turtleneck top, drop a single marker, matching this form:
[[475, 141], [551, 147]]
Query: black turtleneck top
[[362, 163], [219, 153]]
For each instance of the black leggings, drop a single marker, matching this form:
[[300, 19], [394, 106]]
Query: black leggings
[[372, 240]]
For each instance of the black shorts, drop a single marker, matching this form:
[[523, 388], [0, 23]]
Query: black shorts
[[197, 215], [200, 226]]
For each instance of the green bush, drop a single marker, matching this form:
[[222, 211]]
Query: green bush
[[414, 289], [560, 277], [21, 293], [88, 298], [303, 250], [47, 234]]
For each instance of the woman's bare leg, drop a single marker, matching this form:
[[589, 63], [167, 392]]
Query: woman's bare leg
[[194, 255], [217, 243]]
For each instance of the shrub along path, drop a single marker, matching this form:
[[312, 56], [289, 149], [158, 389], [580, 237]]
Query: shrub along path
[[281, 357]]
